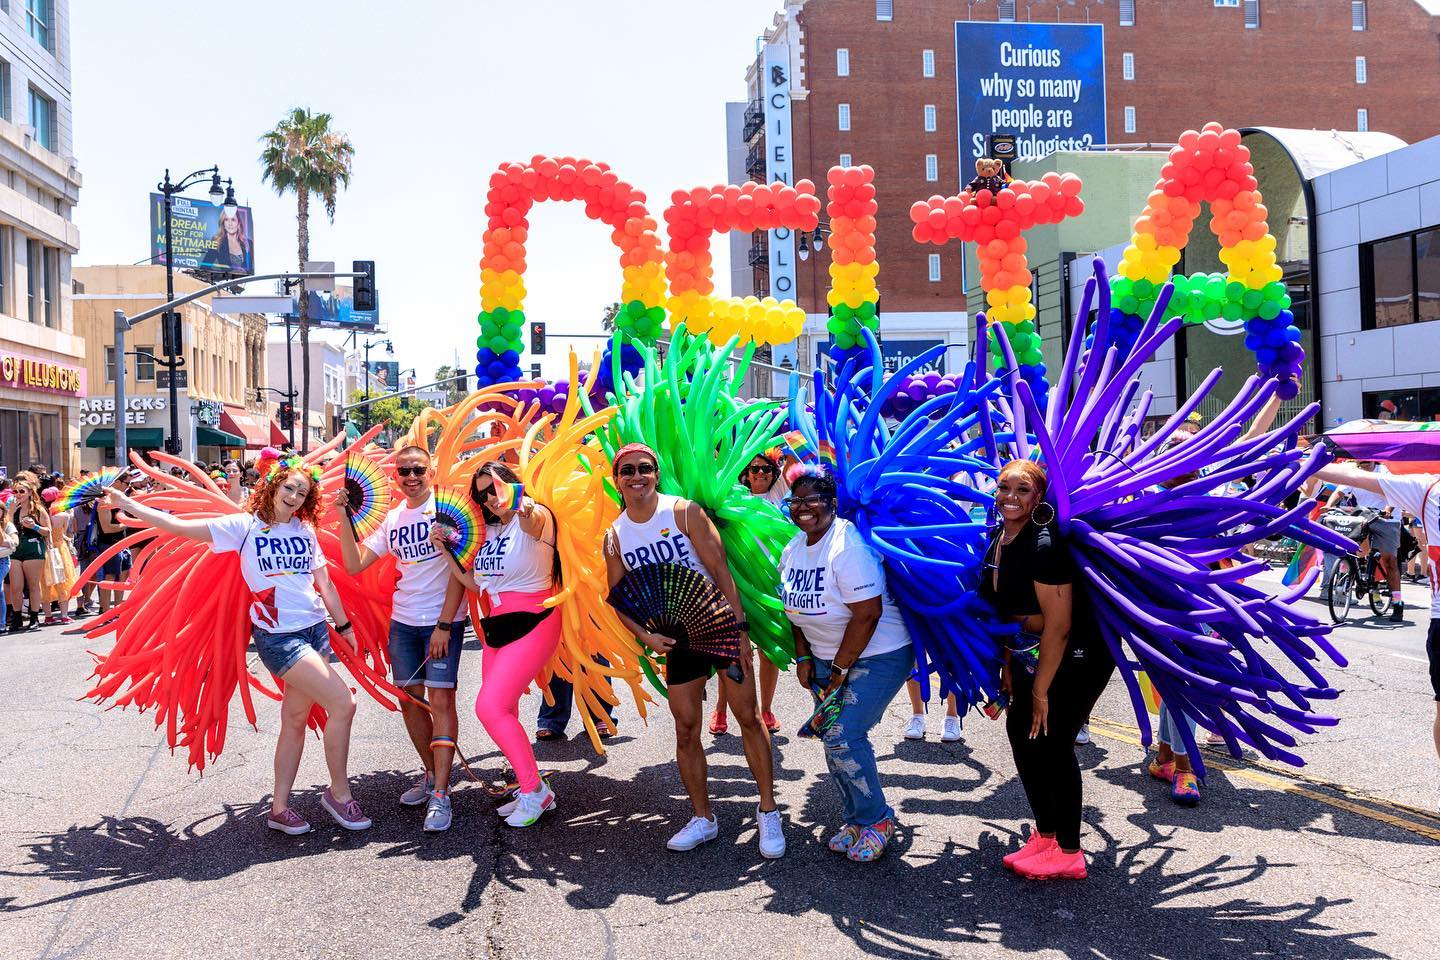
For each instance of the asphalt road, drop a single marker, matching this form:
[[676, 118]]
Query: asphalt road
[[110, 848]]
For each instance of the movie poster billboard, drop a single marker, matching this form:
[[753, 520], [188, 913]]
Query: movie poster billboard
[[385, 375], [1042, 82], [203, 236], [337, 309]]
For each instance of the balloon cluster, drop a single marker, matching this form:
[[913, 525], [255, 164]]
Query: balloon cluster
[[693, 217], [996, 222], [514, 188], [914, 390], [854, 296], [1211, 165]]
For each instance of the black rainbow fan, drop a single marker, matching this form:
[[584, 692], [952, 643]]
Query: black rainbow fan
[[676, 602]]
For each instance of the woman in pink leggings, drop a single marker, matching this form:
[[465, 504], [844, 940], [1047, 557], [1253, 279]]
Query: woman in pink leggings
[[519, 570]]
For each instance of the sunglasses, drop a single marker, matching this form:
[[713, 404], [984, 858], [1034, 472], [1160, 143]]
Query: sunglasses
[[767, 470], [644, 469], [812, 503], [411, 471]]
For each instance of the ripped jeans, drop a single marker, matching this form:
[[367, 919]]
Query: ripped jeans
[[872, 684]]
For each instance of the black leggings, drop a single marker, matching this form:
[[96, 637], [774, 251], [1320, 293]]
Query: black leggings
[[1047, 765]]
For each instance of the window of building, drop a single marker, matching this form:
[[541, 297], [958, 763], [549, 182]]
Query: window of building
[[1362, 120], [844, 116], [38, 21], [929, 118], [1400, 280], [1127, 66], [932, 167], [1357, 15], [1252, 14], [934, 268], [49, 281], [42, 118], [1127, 13], [884, 9], [1129, 119], [144, 366], [842, 62], [1412, 403], [35, 283], [4, 90], [1007, 11], [1362, 74], [1227, 3], [845, 160], [109, 364], [927, 63]]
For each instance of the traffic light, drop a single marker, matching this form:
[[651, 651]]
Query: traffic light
[[537, 338], [287, 415], [171, 334], [364, 296]]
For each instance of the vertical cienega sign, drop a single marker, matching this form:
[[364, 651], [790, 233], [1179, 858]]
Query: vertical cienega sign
[[779, 165]]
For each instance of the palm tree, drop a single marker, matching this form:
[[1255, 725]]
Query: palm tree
[[304, 156]]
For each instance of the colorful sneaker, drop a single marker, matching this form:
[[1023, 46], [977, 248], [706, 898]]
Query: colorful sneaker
[[770, 722], [287, 821], [1054, 864], [420, 792], [347, 814], [719, 723], [1034, 846], [845, 839], [1186, 788], [1162, 771], [437, 813], [697, 831], [530, 807], [873, 841], [950, 733], [1083, 737], [772, 834], [915, 727]]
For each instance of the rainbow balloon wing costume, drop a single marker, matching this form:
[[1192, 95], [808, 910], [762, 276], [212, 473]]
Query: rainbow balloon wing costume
[[912, 491], [689, 413], [1154, 545], [182, 632]]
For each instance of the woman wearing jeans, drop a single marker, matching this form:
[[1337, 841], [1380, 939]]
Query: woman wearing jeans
[[848, 634]]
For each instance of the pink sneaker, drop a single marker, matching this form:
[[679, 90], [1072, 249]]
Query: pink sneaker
[[347, 814], [1054, 864], [1162, 771], [1035, 846], [288, 821]]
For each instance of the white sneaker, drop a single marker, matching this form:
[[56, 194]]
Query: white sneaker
[[951, 731], [1083, 737], [419, 793], [697, 831], [772, 834], [915, 728], [529, 807], [438, 814]]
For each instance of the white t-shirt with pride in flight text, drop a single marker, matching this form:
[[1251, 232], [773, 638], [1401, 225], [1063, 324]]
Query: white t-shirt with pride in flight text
[[818, 581], [405, 534], [278, 562], [1418, 494]]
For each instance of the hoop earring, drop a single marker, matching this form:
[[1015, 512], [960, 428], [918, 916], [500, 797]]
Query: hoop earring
[[1035, 518]]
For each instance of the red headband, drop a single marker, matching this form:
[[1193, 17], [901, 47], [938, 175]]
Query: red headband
[[633, 448]]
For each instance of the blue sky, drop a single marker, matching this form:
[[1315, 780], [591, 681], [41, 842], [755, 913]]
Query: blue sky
[[433, 101]]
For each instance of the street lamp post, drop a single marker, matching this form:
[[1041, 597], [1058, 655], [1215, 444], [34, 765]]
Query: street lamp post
[[389, 348], [170, 323]]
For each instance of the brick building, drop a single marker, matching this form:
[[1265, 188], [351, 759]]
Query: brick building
[[875, 81]]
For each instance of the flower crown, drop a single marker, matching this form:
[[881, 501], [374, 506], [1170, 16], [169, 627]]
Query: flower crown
[[292, 462]]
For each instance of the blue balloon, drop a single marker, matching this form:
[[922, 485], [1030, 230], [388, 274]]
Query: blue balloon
[[510, 358]]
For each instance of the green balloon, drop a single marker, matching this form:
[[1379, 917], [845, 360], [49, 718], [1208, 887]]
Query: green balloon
[[1269, 309], [1130, 304], [1252, 299], [1231, 310], [867, 310], [499, 344], [635, 308]]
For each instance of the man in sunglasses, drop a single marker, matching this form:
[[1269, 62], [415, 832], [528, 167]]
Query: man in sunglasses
[[658, 528], [425, 632]]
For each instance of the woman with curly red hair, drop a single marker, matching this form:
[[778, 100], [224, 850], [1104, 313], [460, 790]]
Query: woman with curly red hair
[[281, 561]]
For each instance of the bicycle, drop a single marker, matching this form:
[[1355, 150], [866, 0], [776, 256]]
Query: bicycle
[[1353, 578]]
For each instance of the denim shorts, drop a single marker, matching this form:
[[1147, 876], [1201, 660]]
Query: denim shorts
[[281, 651], [409, 646], [116, 567]]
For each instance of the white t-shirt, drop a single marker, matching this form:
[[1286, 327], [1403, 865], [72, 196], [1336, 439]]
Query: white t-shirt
[[1418, 494], [818, 581], [1366, 500], [512, 561], [405, 533], [657, 540], [278, 562]]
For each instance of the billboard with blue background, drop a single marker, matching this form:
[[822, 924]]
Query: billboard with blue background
[[1043, 82]]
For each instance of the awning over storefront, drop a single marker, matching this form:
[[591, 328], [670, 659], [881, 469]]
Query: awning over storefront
[[277, 436], [210, 437], [139, 438], [237, 420]]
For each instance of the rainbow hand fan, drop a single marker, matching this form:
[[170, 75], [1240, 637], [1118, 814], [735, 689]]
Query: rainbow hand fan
[[675, 601], [508, 495], [91, 488], [367, 492], [466, 529]]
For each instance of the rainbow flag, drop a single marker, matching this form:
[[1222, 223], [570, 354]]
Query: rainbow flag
[[827, 452], [798, 445], [507, 495], [1301, 563]]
